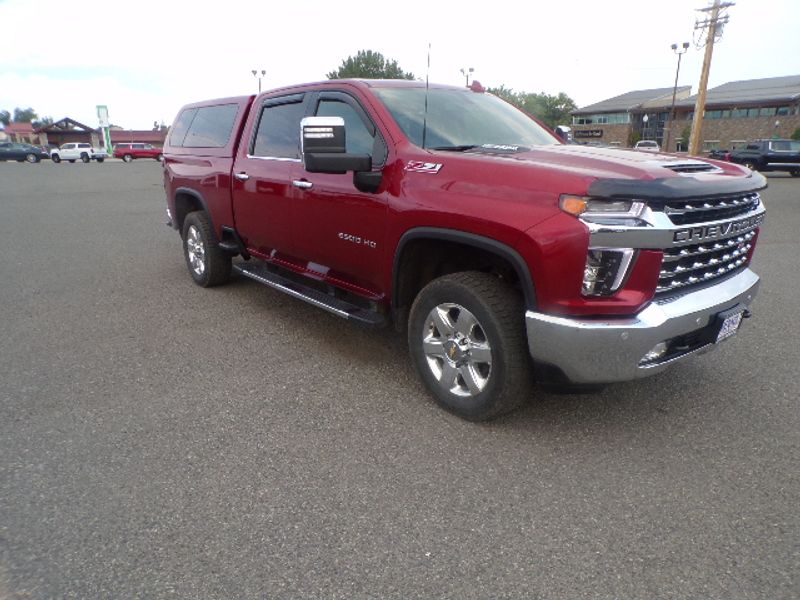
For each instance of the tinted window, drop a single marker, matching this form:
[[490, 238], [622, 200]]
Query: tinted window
[[278, 133], [180, 127], [358, 139], [211, 127]]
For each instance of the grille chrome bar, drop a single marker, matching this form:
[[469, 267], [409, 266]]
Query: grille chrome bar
[[705, 262], [709, 209]]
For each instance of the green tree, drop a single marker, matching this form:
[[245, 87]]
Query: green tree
[[43, 122], [796, 134], [552, 110], [5, 117], [24, 115], [367, 64]]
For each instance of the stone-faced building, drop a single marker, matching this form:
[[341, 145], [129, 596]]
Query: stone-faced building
[[744, 110], [735, 112], [625, 119]]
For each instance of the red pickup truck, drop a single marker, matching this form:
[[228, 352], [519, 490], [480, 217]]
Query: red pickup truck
[[504, 255]]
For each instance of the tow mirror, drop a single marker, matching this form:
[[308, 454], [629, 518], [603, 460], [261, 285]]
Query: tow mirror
[[324, 149]]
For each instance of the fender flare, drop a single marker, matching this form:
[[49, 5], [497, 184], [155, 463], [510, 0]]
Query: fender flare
[[197, 196], [490, 245]]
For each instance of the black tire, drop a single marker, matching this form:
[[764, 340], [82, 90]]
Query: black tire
[[85, 158], [795, 172], [494, 321], [72, 160], [127, 158], [32, 158], [207, 263], [158, 158], [100, 159], [751, 165], [55, 158]]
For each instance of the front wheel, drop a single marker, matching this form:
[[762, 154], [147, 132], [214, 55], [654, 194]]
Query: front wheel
[[795, 172], [85, 158], [208, 264], [467, 339], [751, 165], [32, 158], [127, 158], [100, 159]]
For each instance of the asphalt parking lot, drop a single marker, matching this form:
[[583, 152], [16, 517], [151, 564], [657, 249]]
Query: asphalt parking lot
[[162, 440]]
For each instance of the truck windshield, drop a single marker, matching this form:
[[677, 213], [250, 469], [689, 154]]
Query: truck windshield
[[461, 120]]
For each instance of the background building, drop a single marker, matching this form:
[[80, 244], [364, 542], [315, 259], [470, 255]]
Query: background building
[[735, 112], [69, 130], [626, 119], [743, 110]]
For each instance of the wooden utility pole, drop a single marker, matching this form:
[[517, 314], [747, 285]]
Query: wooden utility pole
[[714, 25]]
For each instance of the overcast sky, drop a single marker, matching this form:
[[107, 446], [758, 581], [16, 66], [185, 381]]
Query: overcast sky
[[144, 59]]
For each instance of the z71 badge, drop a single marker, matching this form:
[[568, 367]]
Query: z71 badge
[[419, 166]]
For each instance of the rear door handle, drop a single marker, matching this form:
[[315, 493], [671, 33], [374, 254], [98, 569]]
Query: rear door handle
[[241, 176], [302, 184]]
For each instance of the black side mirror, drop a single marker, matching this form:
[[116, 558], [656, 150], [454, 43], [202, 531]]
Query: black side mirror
[[323, 147]]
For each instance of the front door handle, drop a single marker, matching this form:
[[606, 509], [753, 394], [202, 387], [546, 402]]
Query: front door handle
[[241, 176], [302, 184]]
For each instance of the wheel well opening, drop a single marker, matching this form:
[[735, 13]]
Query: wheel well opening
[[184, 204], [424, 260]]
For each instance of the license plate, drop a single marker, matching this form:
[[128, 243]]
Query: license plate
[[729, 326]]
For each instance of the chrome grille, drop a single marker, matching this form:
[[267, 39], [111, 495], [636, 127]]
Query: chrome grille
[[703, 210], [700, 263]]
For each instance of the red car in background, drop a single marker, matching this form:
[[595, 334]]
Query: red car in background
[[128, 152]]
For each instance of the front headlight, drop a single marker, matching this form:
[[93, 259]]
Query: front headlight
[[604, 212]]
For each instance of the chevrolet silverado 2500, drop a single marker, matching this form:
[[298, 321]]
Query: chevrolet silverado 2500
[[502, 254]]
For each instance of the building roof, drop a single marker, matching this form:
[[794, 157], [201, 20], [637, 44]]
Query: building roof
[[22, 128], [751, 91], [633, 100], [65, 124], [121, 136]]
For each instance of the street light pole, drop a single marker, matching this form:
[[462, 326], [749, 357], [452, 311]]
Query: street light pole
[[257, 76], [466, 72], [680, 53]]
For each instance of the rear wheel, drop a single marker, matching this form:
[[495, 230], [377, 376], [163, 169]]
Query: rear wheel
[[100, 159], [55, 158], [795, 172], [467, 338], [127, 158], [72, 160], [208, 264], [32, 158], [158, 158]]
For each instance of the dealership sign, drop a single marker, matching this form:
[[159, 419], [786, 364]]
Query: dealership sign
[[588, 133]]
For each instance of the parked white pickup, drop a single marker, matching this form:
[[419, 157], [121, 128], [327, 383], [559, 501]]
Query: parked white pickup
[[78, 151]]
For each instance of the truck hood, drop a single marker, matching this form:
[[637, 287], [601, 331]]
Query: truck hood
[[611, 172]]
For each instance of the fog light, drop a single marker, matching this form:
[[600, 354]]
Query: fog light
[[659, 350], [605, 270]]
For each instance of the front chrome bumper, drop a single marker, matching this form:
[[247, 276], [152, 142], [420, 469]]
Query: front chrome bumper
[[609, 350]]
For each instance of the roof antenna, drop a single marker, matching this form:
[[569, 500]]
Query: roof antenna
[[425, 116]]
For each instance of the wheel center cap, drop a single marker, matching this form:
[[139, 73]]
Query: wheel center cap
[[453, 351]]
